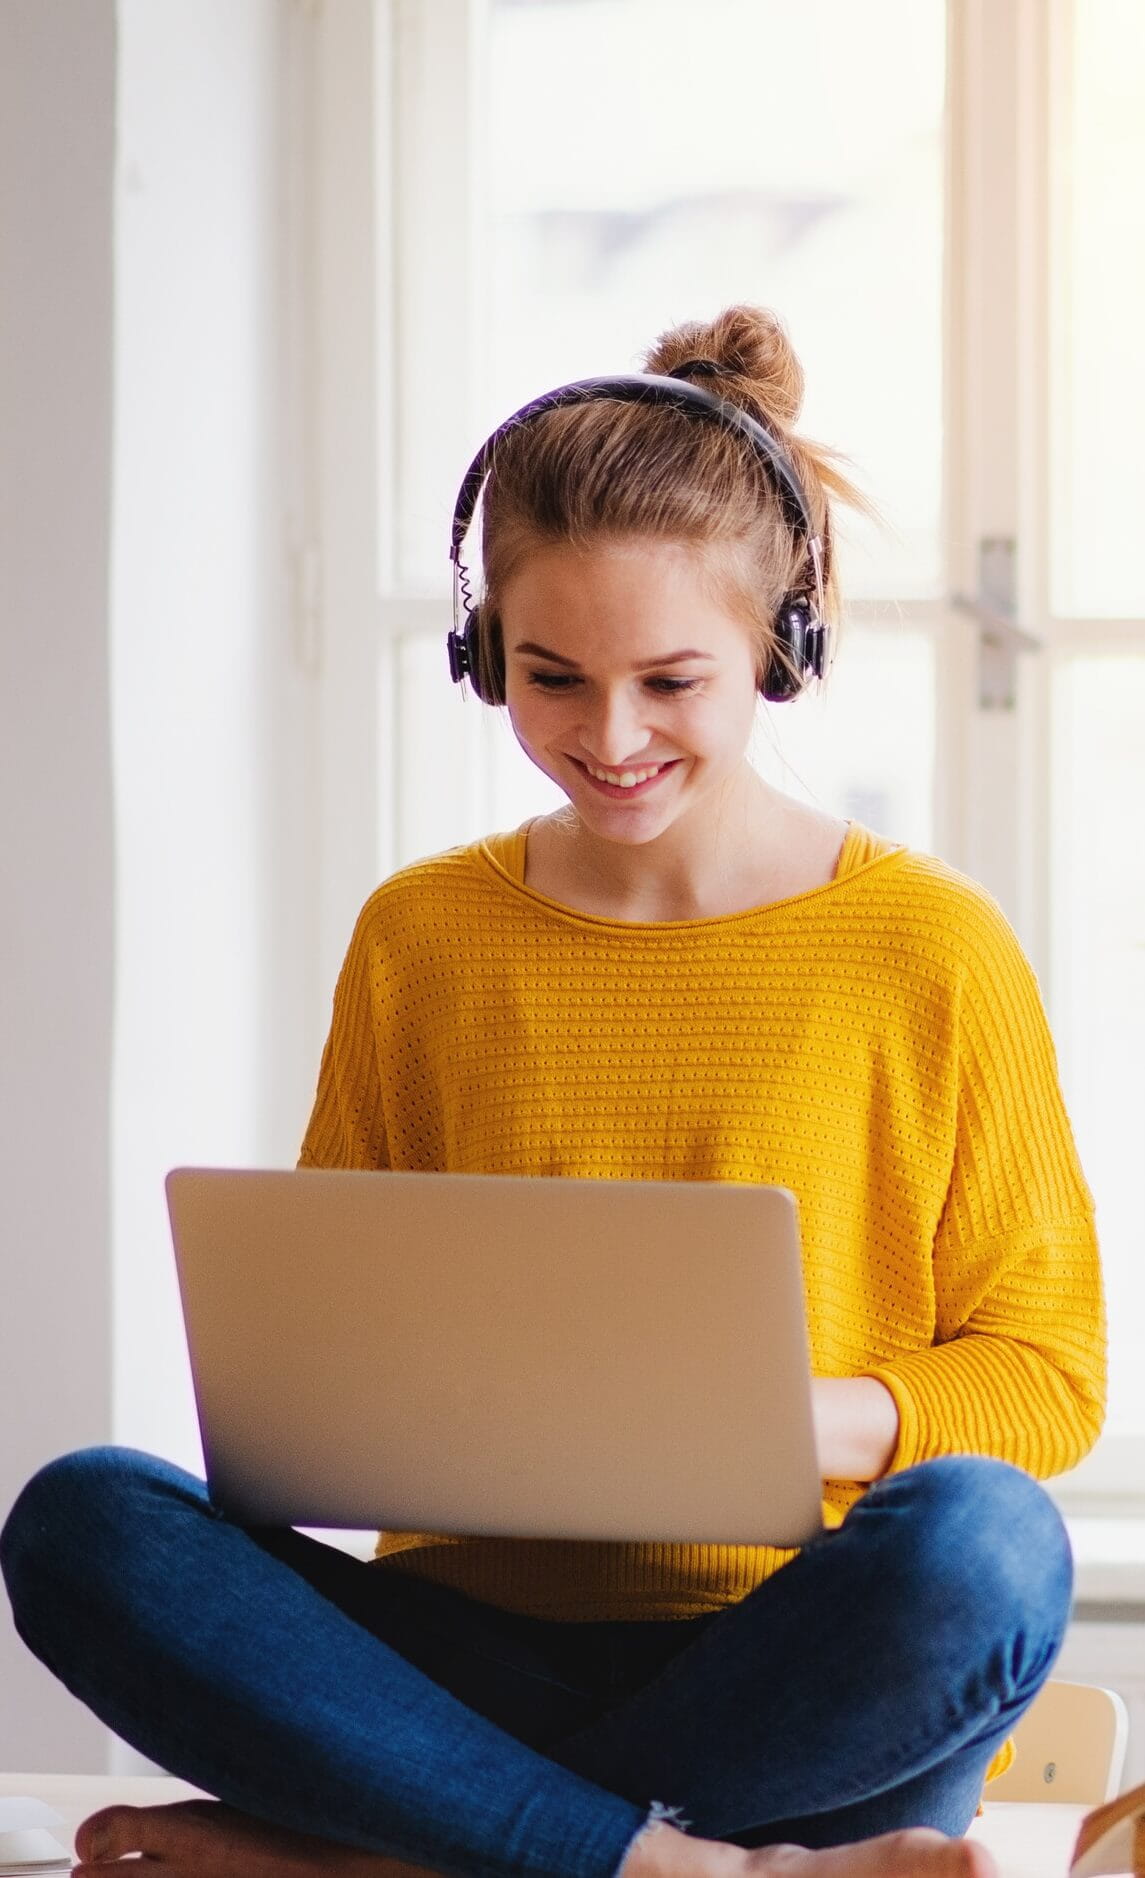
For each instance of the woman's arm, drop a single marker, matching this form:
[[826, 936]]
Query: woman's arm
[[1016, 1369], [1022, 1376], [347, 1126]]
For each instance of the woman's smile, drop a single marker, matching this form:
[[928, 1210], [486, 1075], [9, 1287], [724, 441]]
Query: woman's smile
[[632, 781]]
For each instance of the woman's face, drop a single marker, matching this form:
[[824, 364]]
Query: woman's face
[[628, 682]]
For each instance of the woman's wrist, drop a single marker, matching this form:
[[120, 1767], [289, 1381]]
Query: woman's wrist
[[856, 1427]]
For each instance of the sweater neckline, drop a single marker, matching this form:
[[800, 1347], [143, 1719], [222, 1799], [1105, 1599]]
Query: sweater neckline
[[862, 849]]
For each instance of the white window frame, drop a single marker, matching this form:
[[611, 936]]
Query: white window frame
[[398, 99], [1008, 63]]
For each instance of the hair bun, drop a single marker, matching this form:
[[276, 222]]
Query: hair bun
[[746, 345]]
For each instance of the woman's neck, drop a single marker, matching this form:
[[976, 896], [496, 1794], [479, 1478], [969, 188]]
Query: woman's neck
[[760, 847]]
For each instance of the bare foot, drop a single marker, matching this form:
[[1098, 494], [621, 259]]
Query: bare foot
[[204, 1839], [919, 1853]]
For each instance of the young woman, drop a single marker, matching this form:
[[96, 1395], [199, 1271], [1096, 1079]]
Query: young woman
[[682, 974]]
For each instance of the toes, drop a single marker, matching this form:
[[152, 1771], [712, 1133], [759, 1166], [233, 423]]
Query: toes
[[924, 1849], [155, 1831], [108, 1834], [979, 1862]]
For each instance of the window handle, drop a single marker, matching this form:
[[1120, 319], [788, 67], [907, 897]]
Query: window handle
[[1000, 638]]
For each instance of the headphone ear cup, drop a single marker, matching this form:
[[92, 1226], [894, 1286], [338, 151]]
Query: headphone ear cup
[[473, 655], [788, 669]]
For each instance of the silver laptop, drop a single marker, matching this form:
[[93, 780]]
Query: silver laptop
[[456, 1353]]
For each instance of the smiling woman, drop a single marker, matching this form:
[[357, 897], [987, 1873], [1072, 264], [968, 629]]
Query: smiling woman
[[649, 567], [680, 975]]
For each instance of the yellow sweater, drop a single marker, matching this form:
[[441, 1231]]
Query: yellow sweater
[[877, 1045]]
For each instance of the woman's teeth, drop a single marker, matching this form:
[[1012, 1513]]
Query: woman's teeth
[[623, 778]]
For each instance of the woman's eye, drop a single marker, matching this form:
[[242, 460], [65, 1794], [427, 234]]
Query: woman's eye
[[563, 681], [553, 681]]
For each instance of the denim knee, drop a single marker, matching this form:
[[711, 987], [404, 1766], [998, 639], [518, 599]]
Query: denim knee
[[63, 1511], [981, 1538]]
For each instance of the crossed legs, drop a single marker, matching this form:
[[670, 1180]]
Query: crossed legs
[[857, 1695]]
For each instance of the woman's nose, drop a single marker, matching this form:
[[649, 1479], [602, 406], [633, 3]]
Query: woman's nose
[[614, 731]]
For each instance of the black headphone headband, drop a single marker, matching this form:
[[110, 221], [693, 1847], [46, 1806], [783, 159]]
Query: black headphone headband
[[646, 388]]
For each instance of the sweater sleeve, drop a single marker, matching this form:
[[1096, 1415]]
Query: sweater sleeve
[[347, 1126], [1017, 1370]]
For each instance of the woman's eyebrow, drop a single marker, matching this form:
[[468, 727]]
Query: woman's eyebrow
[[542, 652], [669, 658]]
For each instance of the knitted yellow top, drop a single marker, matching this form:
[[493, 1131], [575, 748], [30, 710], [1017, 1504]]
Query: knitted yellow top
[[877, 1045]]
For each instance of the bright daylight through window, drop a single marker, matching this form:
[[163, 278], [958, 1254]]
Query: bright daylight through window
[[1098, 758], [831, 166], [646, 199]]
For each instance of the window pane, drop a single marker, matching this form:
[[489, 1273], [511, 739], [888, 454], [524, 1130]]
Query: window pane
[[1099, 389], [1099, 980], [863, 747], [802, 172]]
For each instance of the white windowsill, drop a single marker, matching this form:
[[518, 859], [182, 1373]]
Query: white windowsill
[[1109, 1560]]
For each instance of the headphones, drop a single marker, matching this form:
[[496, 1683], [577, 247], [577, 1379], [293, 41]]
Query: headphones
[[801, 634]]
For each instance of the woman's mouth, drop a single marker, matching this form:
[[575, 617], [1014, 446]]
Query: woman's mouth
[[625, 783]]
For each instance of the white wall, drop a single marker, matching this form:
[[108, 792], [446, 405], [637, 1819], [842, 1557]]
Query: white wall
[[214, 1053], [57, 141], [150, 506]]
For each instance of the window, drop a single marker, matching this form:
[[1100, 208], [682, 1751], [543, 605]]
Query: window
[[1098, 289], [1099, 971], [1097, 582], [941, 201], [649, 196], [643, 199], [646, 198]]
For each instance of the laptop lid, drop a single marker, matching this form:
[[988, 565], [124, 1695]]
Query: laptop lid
[[531, 1357]]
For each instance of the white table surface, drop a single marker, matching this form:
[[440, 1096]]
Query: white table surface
[[1027, 1841]]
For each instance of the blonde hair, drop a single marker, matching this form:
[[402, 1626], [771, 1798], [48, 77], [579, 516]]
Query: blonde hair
[[598, 472]]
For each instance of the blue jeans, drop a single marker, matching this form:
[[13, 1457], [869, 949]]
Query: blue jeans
[[862, 1688]]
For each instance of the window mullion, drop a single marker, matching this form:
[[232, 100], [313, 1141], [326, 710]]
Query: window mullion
[[438, 159], [344, 577], [436, 760], [997, 276]]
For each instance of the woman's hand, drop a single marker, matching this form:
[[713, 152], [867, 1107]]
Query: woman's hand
[[856, 1427]]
